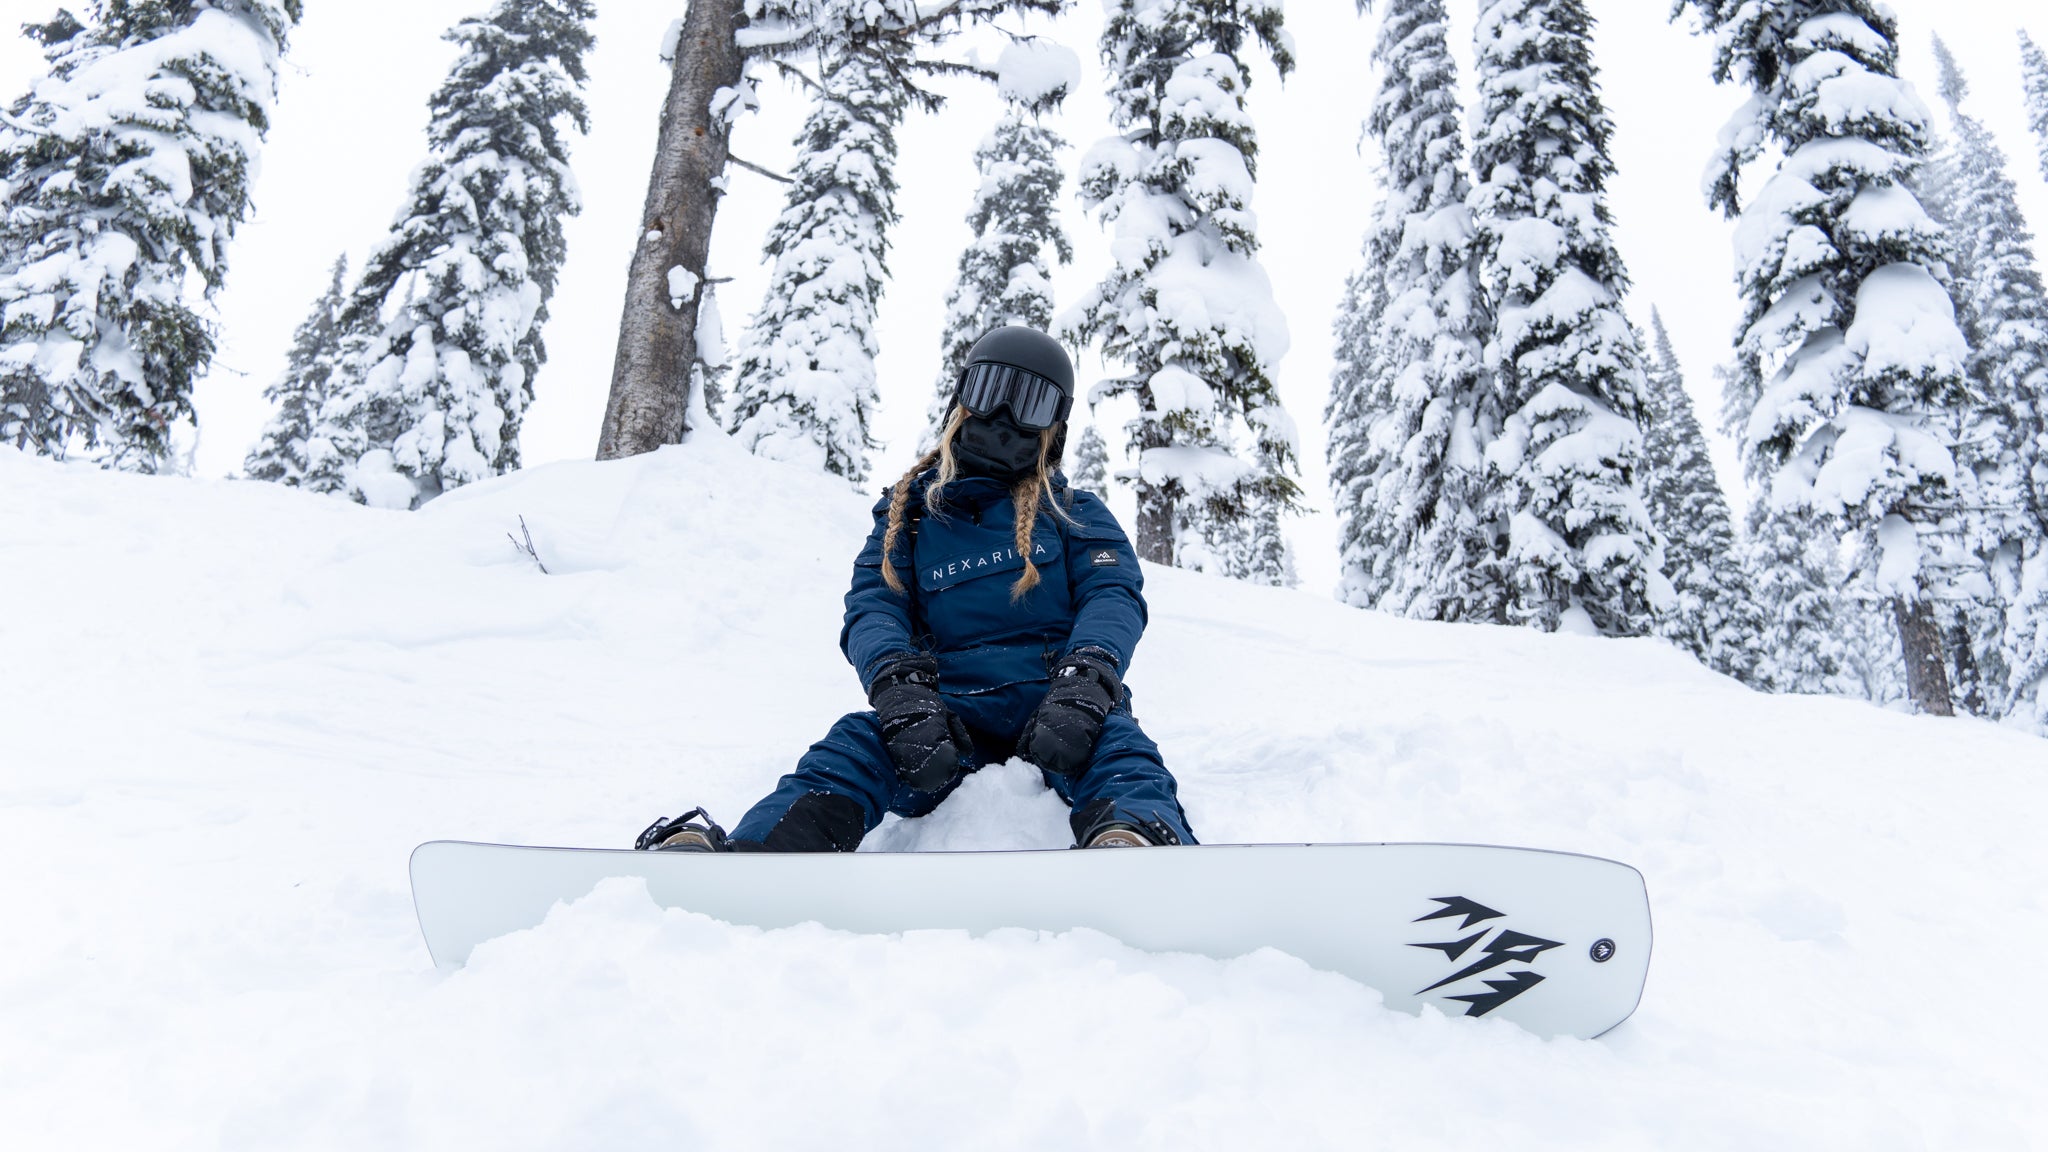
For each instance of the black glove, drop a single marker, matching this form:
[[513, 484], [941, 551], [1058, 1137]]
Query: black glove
[[1060, 736], [927, 742]]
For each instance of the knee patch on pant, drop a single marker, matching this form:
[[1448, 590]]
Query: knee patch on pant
[[818, 822]]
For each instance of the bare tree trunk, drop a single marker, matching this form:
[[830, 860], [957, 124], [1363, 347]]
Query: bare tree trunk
[[658, 340], [1926, 674]]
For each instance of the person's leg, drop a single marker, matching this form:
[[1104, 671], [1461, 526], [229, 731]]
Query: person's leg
[[838, 793], [1125, 783]]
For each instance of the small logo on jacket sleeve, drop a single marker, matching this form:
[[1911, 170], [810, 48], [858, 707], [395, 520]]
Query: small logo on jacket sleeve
[[1103, 558]]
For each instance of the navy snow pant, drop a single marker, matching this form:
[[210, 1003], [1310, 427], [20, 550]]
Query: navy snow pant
[[846, 782]]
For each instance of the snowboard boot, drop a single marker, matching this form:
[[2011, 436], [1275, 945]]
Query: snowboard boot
[[684, 834], [1119, 836], [1100, 825]]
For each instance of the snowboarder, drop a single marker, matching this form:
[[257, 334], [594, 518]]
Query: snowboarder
[[992, 614]]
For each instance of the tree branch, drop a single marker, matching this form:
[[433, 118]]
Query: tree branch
[[750, 166]]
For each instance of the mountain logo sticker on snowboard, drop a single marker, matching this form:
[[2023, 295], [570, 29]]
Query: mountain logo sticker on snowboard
[[1507, 946]]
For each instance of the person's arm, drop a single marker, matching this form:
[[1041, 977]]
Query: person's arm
[[1107, 587], [877, 629]]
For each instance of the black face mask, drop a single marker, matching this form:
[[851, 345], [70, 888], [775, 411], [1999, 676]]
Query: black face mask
[[996, 448]]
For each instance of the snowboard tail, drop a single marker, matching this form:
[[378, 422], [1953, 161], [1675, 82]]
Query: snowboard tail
[[1556, 942]]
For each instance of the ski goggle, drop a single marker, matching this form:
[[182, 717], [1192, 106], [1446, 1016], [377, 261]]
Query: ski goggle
[[1034, 401]]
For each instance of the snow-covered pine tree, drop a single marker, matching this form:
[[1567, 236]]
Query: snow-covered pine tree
[[2001, 435], [711, 50], [2034, 80], [805, 386], [1714, 613], [1348, 415], [1186, 307], [805, 381], [122, 171], [1091, 463], [1871, 668], [1410, 337], [1806, 644], [1004, 277], [442, 334], [1574, 545], [1850, 361], [280, 452]]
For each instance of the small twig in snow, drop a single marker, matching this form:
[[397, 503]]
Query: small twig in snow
[[526, 549]]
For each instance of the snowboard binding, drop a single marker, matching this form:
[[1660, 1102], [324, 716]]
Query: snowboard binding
[[683, 834]]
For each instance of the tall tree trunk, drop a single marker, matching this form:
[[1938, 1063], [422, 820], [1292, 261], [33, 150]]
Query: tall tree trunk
[[658, 340], [1926, 673]]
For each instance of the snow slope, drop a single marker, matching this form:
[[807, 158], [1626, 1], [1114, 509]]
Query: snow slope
[[229, 710]]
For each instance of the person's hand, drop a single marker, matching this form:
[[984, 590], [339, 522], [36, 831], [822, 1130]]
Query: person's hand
[[927, 742], [1060, 736]]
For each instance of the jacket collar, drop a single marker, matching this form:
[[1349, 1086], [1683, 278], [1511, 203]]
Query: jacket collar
[[980, 491]]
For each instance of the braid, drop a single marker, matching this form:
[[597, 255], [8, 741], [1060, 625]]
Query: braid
[[899, 497], [1026, 498], [899, 500]]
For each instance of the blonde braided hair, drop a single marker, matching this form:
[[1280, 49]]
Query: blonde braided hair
[[1026, 497]]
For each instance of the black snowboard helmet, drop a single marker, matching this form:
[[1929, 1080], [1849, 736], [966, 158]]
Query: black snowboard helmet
[[1039, 359]]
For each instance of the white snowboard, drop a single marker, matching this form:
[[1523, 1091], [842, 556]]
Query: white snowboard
[[1556, 942]]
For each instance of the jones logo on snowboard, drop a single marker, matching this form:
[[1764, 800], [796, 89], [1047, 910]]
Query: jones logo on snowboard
[[1506, 947]]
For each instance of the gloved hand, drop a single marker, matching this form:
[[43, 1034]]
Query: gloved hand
[[1060, 736], [927, 742]]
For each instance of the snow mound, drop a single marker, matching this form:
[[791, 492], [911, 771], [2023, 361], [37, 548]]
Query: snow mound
[[232, 709]]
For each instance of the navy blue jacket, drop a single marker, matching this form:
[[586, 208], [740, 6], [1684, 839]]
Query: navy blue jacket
[[995, 655]]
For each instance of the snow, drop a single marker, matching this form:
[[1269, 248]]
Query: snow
[[1034, 72], [682, 285], [1906, 325], [340, 683], [210, 808], [1203, 94], [1196, 468], [1175, 389]]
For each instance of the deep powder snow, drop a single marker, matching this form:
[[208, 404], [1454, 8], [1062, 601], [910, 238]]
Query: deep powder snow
[[231, 709]]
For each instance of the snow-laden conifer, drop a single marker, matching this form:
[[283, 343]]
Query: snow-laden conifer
[[1806, 642], [442, 334], [1403, 460], [1714, 612], [123, 171], [2001, 434], [1186, 307], [1849, 361], [280, 452], [2034, 82], [805, 391], [1091, 463], [1348, 415], [1004, 276], [1575, 544], [1871, 669], [804, 386]]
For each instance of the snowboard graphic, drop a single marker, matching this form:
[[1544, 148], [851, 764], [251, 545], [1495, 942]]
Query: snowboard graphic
[[1555, 942]]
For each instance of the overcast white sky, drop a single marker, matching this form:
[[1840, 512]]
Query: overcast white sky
[[351, 119]]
